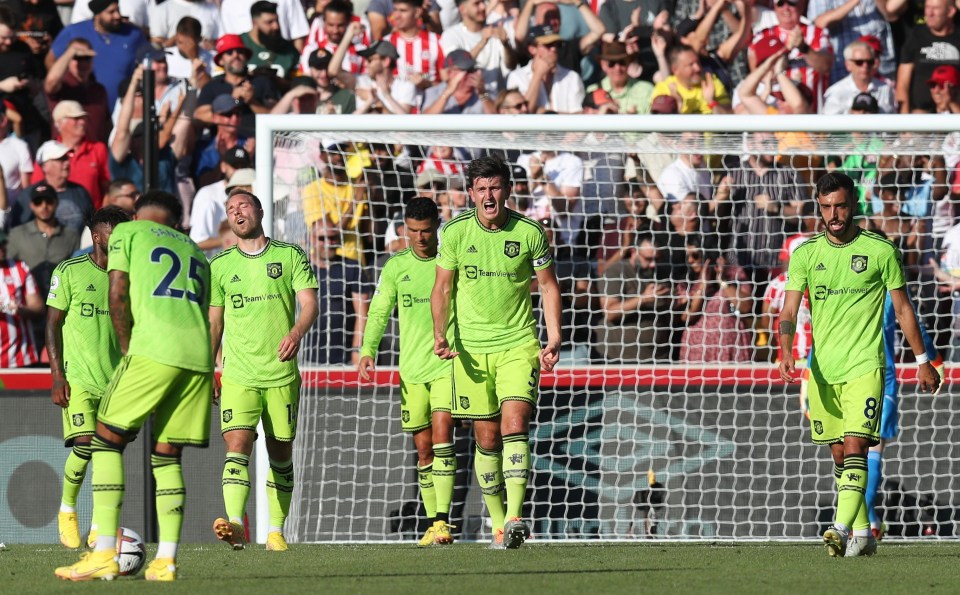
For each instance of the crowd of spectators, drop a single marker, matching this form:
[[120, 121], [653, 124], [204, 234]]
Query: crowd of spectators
[[663, 257]]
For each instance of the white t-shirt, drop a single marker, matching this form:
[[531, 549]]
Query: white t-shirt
[[403, 91], [235, 15], [15, 160], [208, 212], [838, 97], [180, 67], [165, 17], [490, 60], [678, 179], [566, 94], [134, 10], [950, 261]]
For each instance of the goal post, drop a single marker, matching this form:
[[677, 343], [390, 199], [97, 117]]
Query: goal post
[[662, 423]]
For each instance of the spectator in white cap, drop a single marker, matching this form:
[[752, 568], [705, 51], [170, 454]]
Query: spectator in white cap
[[74, 206], [463, 92], [71, 78]]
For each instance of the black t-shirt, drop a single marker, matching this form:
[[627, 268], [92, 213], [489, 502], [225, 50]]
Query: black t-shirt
[[926, 51], [18, 61], [264, 91]]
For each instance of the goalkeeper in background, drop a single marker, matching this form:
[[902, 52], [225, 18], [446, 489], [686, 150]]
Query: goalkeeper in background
[[425, 381], [255, 289], [83, 355], [848, 271], [488, 256]]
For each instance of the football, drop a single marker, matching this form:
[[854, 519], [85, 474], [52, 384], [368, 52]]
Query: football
[[131, 551]]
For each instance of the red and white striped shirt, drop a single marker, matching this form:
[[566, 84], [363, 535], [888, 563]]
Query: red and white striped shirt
[[17, 348], [317, 39], [774, 296], [797, 69], [419, 55], [448, 167]]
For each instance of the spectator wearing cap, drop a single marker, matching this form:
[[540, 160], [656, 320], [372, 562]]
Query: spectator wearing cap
[[294, 27], [114, 42], [463, 92], [134, 11], [943, 84], [420, 53], [334, 204], [88, 158], [20, 302], [44, 241], [861, 62], [377, 91], [328, 31], [332, 98], [71, 78], [580, 31], [488, 45], [17, 69], [227, 111], [15, 162], [545, 84], [810, 56], [632, 95], [696, 33], [696, 92], [209, 208], [187, 59], [847, 21], [74, 205], [164, 17], [300, 99], [267, 45], [126, 148], [256, 92], [599, 101], [934, 43]]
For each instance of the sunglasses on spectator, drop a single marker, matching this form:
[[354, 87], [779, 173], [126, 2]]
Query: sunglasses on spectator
[[780, 3], [232, 52], [613, 63], [863, 61], [936, 85], [520, 105]]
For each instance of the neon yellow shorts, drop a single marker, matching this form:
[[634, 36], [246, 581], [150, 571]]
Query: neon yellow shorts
[[80, 416], [179, 398], [482, 382], [241, 407], [852, 408], [418, 401]]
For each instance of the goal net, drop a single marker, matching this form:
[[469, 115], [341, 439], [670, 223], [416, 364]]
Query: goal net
[[666, 418]]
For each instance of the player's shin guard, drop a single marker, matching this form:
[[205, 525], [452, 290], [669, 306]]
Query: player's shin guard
[[444, 477], [171, 493], [279, 492], [236, 485], [837, 475], [108, 485], [874, 478], [486, 463], [428, 493], [74, 470], [853, 484], [516, 466]]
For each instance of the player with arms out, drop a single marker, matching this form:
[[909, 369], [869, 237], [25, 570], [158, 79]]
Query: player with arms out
[[83, 353], [159, 295], [849, 271], [486, 261], [255, 288], [425, 381]]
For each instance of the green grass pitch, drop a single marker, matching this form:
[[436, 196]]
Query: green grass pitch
[[581, 568]]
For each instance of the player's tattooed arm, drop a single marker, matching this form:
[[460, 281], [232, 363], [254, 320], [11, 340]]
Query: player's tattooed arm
[[120, 314], [787, 327]]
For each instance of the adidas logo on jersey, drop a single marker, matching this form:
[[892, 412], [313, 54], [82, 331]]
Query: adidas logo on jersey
[[236, 279], [91, 287], [472, 250], [405, 278], [820, 267]]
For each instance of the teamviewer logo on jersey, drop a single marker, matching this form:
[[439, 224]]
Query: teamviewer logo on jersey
[[511, 249], [237, 300], [407, 300], [858, 263], [820, 293], [471, 272], [86, 310], [274, 270]]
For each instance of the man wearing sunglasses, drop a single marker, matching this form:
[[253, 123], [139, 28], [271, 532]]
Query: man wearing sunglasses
[[927, 46], [632, 95], [846, 22], [256, 92], [862, 64]]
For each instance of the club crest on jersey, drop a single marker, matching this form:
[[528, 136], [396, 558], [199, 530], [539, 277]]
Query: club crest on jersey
[[818, 427], [78, 419], [405, 416], [227, 415], [858, 263], [464, 402], [274, 270], [511, 249]]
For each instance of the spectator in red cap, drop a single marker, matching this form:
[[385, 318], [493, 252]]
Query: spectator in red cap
[[258, 93], [847, 21], [599, 101], [861, 62], [632, 95], [943, 84], [932, 44], [463, 92]]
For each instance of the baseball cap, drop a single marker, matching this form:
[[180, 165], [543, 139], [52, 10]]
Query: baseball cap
[[51, 150], [597, 98], [42, 192], [320, 59], [765, 47], [518, 174], [460, 59], [544, 34], [68, 109], [242, 177], [148, 51], [230, 41], [380, 48], [303, 81], [944, 73], [874, 42], [237, 158], [431, 178], [225, 104], [664, 104], [687, 26], [865, 102]]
